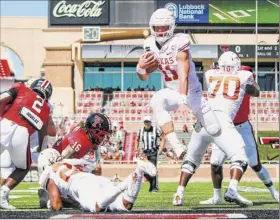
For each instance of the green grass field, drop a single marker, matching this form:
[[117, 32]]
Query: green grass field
[[238, 11], [25, 197], [266, 150]]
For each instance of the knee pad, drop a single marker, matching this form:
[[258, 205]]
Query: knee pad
[[257, 168], [188, 167], [239, 164]]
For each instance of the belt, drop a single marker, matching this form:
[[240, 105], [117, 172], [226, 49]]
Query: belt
[[235, 124]]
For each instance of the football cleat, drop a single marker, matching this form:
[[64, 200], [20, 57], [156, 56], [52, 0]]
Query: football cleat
[[4, 202], [233, 196], [275, 196], [178, 200], [212, 201], [43, 198], [180, 151], [146, 166]]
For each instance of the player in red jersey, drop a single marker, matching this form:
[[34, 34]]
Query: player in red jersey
[[244, 127], [27, 113], [79, 141]]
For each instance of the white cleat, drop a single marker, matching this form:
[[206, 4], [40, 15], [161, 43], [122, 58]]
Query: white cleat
[[276, 196], [178, 200], [180, 151], [233, 196], [4, 202], [212, 201], [146, 166]]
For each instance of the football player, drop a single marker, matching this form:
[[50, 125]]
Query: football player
[[7, 166], [79, 141], [218, 157], [172, 52], [25, 111], [226, 88], [67, 178]]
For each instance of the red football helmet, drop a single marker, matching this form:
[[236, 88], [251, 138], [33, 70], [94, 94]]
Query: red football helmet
[[247, 68], [98, 125]]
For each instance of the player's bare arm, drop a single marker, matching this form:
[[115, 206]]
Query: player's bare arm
[[183, 71], [68, 152], [51, 127], [143, 64], [6, 98], [253, 90], [54, 194], [41, 135]]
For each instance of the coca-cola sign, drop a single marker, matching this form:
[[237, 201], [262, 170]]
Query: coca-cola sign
[[79, 12]]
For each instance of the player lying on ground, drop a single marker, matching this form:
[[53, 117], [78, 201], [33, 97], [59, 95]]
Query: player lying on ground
[[85, 137], [171, 54], [218, 157], [6, 164], [67, 178], [23, 112], [226, 89]]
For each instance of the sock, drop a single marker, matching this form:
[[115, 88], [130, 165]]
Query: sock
[[5, 188], [180, 190], [217, 193], [272, 189], [233, 184], [264, 176], [134, 184]]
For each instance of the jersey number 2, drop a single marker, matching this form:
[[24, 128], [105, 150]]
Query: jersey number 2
[[38, 104], [167, 70], [218, 80]]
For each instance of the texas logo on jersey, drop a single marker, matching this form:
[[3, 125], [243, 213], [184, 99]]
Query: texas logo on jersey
[[167, 59]]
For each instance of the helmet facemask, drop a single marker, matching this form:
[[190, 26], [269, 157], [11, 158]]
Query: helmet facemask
[[97, 136]]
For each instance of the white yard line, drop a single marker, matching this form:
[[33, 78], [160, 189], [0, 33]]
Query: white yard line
[[273, 3], [223, 13]]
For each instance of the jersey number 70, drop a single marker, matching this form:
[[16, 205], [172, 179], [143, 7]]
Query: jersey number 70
[[231, 86]]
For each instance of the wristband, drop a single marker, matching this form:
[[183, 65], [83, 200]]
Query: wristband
[[184, 99], [140, 70]]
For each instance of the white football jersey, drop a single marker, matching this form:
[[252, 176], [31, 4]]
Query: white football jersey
[[168, 63], [226, 91]]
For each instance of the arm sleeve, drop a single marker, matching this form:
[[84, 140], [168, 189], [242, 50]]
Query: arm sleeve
[[250, 79], [183, 42], [12, 93]]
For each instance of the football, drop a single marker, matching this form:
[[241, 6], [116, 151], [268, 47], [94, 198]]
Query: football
[[153, 67]]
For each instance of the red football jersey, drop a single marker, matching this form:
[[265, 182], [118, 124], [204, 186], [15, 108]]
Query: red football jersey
[[28, 109], [76, 139], [244, 111]]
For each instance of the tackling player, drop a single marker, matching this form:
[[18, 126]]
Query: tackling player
[[79, 141], [218, 157], [27, 113], [67, 178], [226, 89], [172, 53]]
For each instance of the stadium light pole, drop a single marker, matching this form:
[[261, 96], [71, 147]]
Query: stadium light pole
[[256, 71]]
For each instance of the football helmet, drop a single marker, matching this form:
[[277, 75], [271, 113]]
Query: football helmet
[[43, 87], [98, 125], [214, 65], [46, 158], [30, 81], [247, 68], [162, 25], [229, 62]]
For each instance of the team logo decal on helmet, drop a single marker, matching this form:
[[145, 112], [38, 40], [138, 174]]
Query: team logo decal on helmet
[[42, 86]]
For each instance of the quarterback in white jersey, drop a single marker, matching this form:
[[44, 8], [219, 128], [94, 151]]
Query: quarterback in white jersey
[[226, 89], [173, 55], [93, 193]]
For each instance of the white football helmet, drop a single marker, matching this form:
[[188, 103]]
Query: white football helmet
[[165, 19], [30, 81], [46, 158], [229, 62]]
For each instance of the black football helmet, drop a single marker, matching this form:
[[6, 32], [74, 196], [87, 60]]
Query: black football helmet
[[43, 87], [98, 125]]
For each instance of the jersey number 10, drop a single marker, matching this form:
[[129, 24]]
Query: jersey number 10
[[217, 81]]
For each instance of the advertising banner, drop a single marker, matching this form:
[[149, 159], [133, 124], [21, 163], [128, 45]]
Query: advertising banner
[[79, 12], [194, 11]]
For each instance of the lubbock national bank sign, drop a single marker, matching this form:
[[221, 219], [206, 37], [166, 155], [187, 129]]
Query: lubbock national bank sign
[[79, 12], [187, 11]]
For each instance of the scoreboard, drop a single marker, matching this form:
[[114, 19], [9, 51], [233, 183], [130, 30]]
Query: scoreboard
[[248, 51]]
